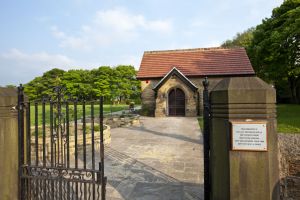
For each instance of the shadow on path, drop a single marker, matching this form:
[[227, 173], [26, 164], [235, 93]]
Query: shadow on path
[[130, 179], [171, 135]]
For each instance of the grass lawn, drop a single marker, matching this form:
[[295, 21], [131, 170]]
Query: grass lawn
[[106, 110], [200, 121], [288, 118]]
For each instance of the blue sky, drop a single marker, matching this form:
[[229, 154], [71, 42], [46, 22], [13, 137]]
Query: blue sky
[[39, 35]]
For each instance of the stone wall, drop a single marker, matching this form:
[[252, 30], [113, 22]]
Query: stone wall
[[148, 96], [111, 122], [115, 121], [161, 109], [106, 140], [149, 101], [289, 160], [198, 82], [122, 121]]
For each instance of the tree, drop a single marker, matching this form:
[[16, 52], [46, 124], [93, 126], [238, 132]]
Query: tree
[[243, 39], [43, 86], [78, 83], [275, 47], [11, 86], [128, 85], [102, 81], [117, 83]]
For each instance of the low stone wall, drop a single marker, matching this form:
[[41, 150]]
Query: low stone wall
[[115, 121], [110, 122], [122, 121], [289, 159], [106, 138]]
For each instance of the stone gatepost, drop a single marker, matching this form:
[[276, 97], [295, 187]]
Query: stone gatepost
[[243, 140], [8, 144]]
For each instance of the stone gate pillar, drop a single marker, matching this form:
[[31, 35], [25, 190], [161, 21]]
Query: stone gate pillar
[[8, 144], [243, 140]]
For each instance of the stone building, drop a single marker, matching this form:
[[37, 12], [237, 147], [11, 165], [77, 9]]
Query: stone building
[[171, 81]]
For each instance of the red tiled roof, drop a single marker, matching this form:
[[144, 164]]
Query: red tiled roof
[[196, 62]]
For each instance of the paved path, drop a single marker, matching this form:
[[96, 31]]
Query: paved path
[[159, 160]]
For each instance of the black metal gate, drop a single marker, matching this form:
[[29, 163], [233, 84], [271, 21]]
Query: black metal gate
[[206, 142], [60, 142]]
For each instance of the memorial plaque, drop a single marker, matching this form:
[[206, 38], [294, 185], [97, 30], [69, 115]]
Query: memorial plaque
[[249, 136]]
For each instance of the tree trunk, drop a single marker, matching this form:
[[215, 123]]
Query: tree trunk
[[298, 90], [293, 87]]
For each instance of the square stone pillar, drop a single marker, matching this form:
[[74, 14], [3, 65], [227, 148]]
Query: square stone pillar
[[243, 175], [8, 144]]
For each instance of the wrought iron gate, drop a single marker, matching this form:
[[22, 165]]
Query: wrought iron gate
[[59, 146], [206, 133]]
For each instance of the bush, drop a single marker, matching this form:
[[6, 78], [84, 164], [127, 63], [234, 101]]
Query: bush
[[96, 127], [88, 129]]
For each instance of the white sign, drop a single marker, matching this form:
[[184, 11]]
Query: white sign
[[251, 136]]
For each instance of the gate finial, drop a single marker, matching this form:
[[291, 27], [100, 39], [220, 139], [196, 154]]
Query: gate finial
[[205, 82]]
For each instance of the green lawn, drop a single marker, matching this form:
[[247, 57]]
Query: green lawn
[[106, 110], [288, 118], [200, 121]]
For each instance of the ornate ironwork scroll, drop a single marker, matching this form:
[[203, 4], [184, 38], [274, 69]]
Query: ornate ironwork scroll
[[59, 136], [50, 166]]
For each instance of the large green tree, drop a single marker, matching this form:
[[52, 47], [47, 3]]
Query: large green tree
[[102, 81], [78, 84], [43, 86], [115, 84], [127, 84], [243, 39], [275, 47]]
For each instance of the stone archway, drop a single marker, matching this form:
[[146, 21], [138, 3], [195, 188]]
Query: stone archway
[[176, 102]]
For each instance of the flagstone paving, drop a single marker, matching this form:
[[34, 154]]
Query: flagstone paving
[[162, 159]]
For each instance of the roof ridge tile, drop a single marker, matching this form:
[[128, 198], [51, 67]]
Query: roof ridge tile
[[193, 50]]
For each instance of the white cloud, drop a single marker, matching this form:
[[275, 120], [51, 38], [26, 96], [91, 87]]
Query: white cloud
[[17, 66], [41, 58], [71, 41], [119, 19], [111, 26], [57, 33], [122, 20], [20, 67]]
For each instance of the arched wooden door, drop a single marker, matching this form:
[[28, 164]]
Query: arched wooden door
[[176, 102]]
